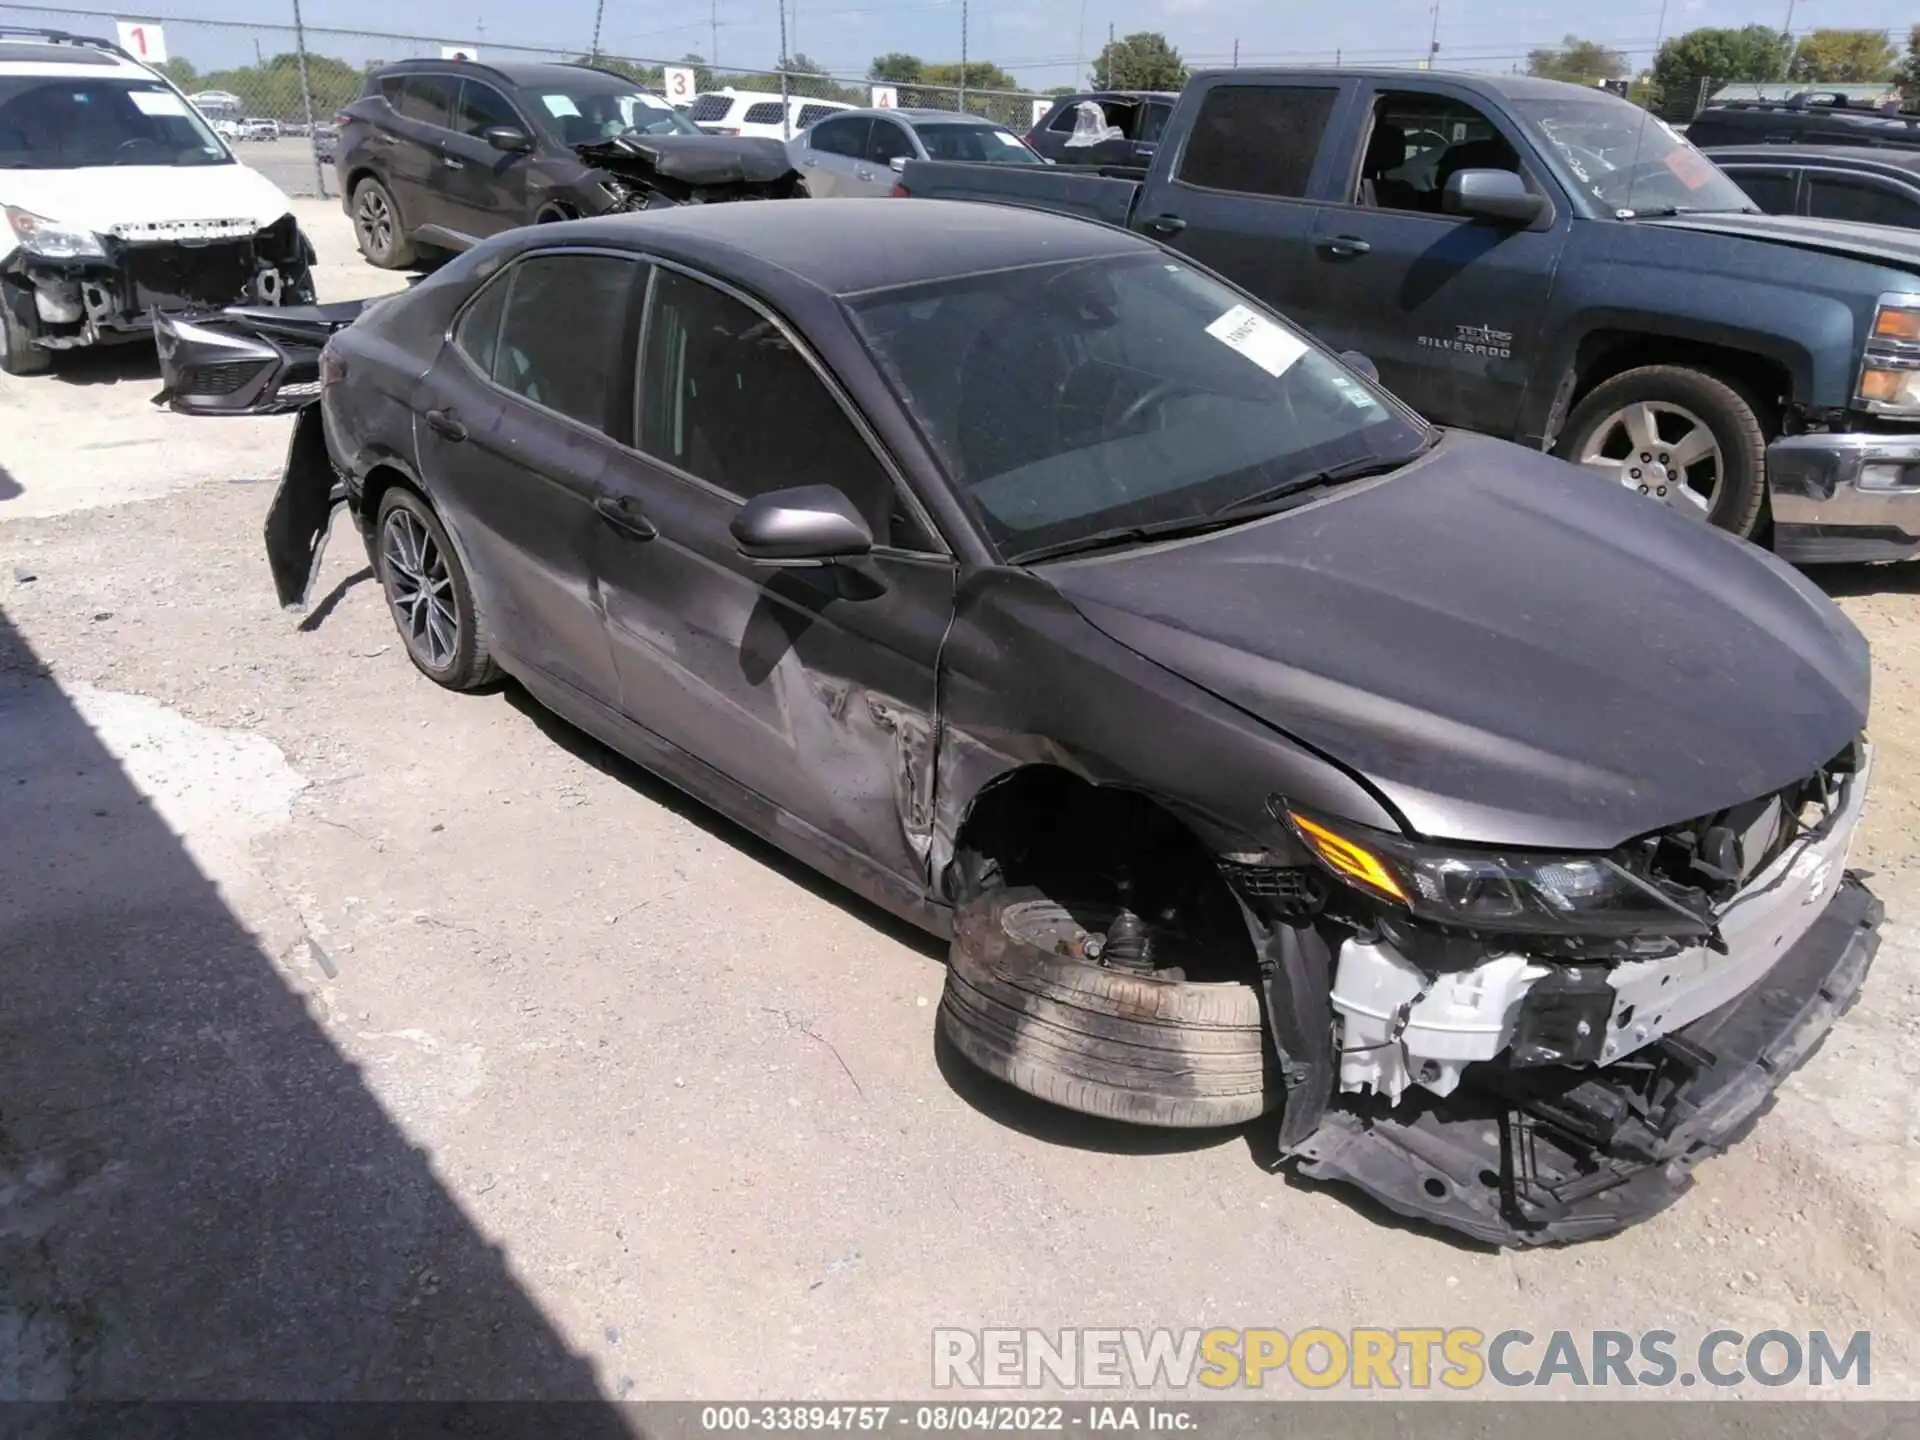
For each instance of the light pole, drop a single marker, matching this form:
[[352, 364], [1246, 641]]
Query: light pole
[[963, 57]]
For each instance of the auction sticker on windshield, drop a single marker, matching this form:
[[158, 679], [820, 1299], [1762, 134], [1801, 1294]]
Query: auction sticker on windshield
[[157, 102], [1259, 339]]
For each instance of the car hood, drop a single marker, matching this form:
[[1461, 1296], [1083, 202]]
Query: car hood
[[1507, 649], [101, 197], [1881, 244]]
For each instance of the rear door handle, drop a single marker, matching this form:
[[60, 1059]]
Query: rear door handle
[[1344, 245], [446, 424], [453, 164], [1164, 224], [620, 514], [863, 173]]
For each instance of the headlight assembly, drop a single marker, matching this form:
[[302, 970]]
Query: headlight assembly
[[1890, 367], [1520, 892], [51, 240]]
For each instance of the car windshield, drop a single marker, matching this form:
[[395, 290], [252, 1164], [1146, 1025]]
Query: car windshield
[[585, 115], [61, 122], [988, 143], [1629, 160], [1071, 399]]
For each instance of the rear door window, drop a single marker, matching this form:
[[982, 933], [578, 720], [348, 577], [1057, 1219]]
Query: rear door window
[[562, 333], [1872, 202], [812, 115], [428, 99], [841, 137], [767, 112], [709, 108], [1257, 139]]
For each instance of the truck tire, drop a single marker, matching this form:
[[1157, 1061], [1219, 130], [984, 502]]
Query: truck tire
[[1101, 1041], [18, 354], [377, 227], [1678, 435]]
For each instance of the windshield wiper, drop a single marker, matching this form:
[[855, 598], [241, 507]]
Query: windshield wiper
[[1296, 491], [1264, 501]]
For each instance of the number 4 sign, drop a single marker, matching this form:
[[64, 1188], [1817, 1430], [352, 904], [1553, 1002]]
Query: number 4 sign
[[147, 43]]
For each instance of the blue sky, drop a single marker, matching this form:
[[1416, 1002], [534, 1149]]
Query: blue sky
[[1035, 39]]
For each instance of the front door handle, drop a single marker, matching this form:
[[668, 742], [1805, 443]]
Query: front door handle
[[1164, 224], [446, 424], [863, 173], [1344, 245], [453, 164], [620, 514]]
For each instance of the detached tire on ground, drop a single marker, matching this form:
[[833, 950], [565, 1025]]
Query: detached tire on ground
[[1102, 1041], [1638, 429]]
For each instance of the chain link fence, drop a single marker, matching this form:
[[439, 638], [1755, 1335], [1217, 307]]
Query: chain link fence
[[273, 90]]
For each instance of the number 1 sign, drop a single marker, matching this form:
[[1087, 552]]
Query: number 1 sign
[[146, 42]]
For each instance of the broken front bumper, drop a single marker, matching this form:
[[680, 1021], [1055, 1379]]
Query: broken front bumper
[[1841, 498], [1540, 1157]]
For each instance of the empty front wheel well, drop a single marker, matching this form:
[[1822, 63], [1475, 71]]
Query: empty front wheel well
[[1045, 827], [1607, 353]]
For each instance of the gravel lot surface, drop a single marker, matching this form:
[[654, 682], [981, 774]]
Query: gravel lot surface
[[361, 1039]]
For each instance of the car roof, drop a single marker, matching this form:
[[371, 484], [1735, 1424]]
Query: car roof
[[846, 247], [914, 115], [1863, 157], [1512, 87], [38, 57], [529, 73]]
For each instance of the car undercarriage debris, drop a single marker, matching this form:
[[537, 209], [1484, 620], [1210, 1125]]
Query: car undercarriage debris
[[659, 171]]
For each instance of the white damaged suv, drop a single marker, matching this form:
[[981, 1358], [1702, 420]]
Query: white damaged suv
[[119, 200]]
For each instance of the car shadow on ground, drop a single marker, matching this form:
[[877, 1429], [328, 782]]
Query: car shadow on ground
[[9, 487], [669, 797], [200, 1197], [106, 364], [1842, 581]]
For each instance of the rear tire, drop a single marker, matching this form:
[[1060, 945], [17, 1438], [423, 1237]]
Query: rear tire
[[428, 594], [18, 354], [1105, 1042], [377, 227]]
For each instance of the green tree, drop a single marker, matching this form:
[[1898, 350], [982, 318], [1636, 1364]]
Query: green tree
[[897, 67], [1069, 90], [1141, 61], [647, 77], [1839, 57], [1910, 71], [1754, 52], [1581, 61], [273, 89], [981, 75], [182, 73]]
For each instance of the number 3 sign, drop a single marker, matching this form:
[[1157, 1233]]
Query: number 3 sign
[[679, 83], [146, 43]]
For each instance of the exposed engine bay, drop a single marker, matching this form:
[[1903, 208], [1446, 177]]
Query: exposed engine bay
[[653, 172], [165, 268]]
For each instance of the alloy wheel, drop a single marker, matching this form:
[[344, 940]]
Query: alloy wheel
[[1660, 450], [376, 221], [420, 590]]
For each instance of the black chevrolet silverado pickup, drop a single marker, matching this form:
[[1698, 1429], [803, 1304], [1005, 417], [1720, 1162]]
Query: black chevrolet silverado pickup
[[1550, 264]]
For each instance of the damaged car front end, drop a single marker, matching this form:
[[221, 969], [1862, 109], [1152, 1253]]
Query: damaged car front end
[[656, 172], [95, 289], [1540, 1048]]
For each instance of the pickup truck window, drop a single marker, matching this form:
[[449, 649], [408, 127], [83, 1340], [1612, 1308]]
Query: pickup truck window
[[1631, 162], [1774, 191], [1860, 198], [1257, 139], [1418, 142], [1067, 399]]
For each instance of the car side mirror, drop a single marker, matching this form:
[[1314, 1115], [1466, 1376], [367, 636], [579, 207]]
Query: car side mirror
[[807, 525], [1497, 195], [508, 137], [1360, 365], [897, 164]]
